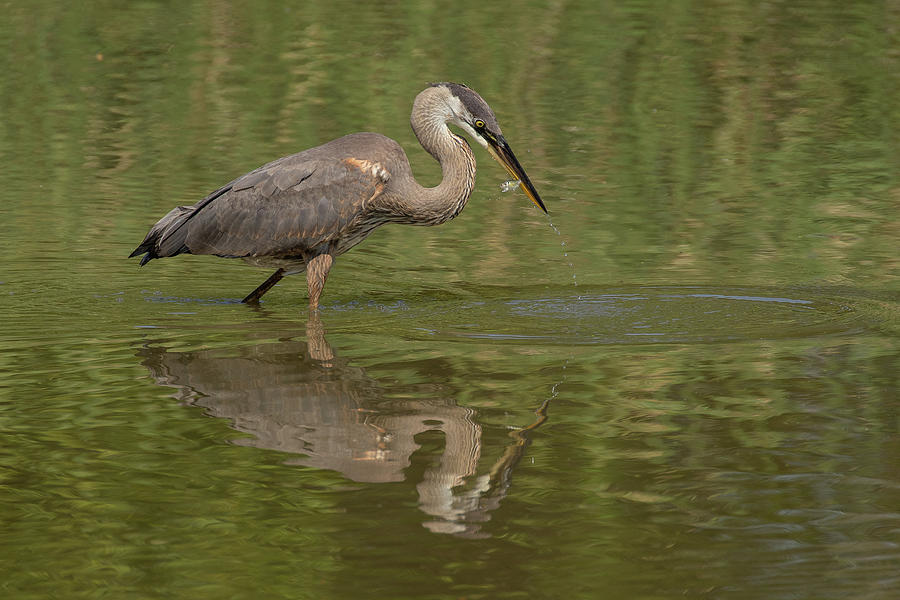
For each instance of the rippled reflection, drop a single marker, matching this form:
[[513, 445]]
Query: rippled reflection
[[300, 398]]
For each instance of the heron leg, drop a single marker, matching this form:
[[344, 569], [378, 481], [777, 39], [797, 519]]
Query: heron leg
[[317, 269], [254, 296]]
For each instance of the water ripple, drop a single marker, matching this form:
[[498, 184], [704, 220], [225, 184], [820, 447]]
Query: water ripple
[[639, 316]]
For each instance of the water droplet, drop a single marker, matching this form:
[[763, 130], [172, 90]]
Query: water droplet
[[563, 244], [508, 186]]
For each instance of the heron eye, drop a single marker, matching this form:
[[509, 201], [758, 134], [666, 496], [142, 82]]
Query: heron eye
[[479, 124]]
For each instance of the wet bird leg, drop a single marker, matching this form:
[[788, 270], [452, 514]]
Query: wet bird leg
[[254, 296], [317, 269]]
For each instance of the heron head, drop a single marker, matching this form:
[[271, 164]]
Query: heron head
[[472, 114]]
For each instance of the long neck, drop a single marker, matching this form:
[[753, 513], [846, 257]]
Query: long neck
[[432, 206]]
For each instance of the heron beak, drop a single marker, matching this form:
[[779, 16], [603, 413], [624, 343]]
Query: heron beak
[[503, 154]]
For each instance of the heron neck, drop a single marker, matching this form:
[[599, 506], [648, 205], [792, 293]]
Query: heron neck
[[449, 197]]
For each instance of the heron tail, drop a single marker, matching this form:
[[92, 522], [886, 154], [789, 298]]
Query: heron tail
[[167, 237]]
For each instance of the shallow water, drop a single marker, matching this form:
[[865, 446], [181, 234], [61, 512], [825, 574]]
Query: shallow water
[[686, 315], [686, 387]]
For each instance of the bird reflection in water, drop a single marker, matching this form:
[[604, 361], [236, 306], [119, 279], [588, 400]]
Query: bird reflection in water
[[300, 398]]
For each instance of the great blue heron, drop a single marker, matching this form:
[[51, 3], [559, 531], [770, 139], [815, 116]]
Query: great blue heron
[[301, 211]]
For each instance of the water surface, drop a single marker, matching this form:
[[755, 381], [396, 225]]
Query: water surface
[[690, 390]]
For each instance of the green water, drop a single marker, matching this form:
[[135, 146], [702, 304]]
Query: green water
[[688, 388]]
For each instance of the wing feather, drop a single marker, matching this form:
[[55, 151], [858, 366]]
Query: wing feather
[[283, 209], [290, 207]]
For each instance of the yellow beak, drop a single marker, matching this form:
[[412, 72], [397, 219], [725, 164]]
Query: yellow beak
[[503, 154]]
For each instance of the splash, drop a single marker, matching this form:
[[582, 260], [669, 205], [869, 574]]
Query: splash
[[563, 243], [510, 185]]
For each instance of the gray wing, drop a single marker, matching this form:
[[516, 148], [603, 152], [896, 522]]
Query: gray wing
[[284, 208], [288, 207]]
